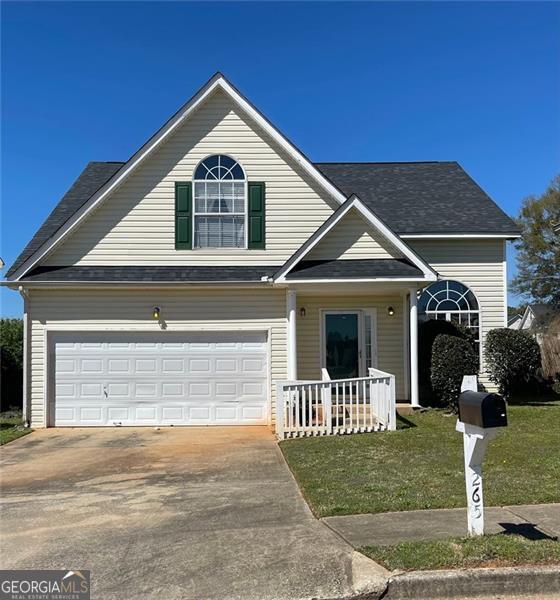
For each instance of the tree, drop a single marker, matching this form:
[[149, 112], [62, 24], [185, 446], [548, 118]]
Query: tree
[[538, 258], [11, 360], [516, 310], [550, 352]]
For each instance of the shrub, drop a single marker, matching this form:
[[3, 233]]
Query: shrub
[[550, 350], [512, 359], [427, 333], [11, 359], [452, 358]]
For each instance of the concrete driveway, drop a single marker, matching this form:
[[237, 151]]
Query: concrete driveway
[[197, 513]]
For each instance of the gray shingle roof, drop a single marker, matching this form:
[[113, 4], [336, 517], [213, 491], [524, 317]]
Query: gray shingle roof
[[422, 197], [544, 313], [94, 176], [354, 269], [436, 197], [158, 274], [312, 269]]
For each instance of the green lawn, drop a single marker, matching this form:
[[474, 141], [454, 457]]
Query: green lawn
[[421, 464], [11, 427], [501, 550]]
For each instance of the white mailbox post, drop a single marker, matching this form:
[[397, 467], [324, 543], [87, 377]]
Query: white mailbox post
[[475, 443]]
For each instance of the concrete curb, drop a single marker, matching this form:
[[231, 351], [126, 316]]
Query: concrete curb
[[541, 580]]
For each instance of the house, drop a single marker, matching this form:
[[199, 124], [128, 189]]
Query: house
[[179, 287], [536, 319], [514, 321]]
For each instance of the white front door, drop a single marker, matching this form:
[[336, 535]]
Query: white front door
[[160, 379]]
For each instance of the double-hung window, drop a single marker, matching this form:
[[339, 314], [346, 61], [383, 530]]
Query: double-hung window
[[220, 201]]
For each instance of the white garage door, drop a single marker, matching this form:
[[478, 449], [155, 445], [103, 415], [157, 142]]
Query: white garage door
[[160, 379]]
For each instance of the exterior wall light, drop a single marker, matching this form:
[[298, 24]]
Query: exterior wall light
[[156, 313], [390, 311], [302, 312]]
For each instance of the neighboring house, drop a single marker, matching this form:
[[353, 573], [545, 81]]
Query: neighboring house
[[180, 286], [536, 317], [514, 322]]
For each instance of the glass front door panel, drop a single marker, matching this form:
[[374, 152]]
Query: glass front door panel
[[342, 345]]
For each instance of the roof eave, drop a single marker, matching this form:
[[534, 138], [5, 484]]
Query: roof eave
[[466, 235]]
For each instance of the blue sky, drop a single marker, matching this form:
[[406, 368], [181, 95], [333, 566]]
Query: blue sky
[[476, 82]]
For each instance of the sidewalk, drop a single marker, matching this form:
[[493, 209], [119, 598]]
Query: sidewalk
[[533, 521]]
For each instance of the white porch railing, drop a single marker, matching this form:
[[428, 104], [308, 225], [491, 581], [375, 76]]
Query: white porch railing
[[331, 407]]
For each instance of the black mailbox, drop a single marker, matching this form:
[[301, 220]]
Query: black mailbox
[[482, 409]]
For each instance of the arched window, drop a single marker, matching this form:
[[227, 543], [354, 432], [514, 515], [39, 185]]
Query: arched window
[[451, 301], [220, 192]]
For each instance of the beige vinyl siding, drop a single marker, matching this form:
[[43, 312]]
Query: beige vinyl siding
[[130, 310], [353, 238], [136, 224], [390, 342], [477, 263]]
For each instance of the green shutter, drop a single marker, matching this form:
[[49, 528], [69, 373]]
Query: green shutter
[[256, 215], [183, 215]]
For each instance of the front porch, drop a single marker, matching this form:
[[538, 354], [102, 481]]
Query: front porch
[[351, 355], [333, 407]]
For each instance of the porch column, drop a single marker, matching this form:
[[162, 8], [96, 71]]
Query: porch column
[[292, 342], [413, 324]]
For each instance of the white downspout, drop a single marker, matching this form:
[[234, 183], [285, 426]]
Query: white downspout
[[25, 400]]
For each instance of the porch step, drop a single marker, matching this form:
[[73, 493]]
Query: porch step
[[361, 414], [405, 408]]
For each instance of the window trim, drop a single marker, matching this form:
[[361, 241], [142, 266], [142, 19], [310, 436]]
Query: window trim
[[478, 311], [244, 214]]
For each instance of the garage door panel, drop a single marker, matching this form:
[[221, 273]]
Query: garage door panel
[[226, 365], [203, 378], [172, 366], [172, 414], [65, 415], [91, 365], [226, 413], [199, 390], [92, 414], [198, 414], [252, 413], [173, 389], [67, 365], [199, 365], [147, 389], [226, 388], [88, 390], [117, 414], [252, 388], [67, 390], [145, 366]]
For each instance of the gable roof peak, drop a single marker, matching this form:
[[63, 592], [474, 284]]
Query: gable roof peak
[[43, 242], [354, 202]]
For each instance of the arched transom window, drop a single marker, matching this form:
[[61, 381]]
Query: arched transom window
[[451, 301], [220, 192]]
